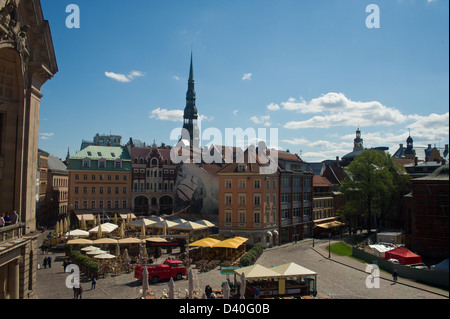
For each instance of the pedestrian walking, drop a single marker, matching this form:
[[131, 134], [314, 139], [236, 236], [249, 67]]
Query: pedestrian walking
[[94, 282], [65, 263], [256, 293], [49, 261], [208, 291], [45, 262], [80, 291], [2, 220], [394, 276]]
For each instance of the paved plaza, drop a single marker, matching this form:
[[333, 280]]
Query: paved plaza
[[338, 278]]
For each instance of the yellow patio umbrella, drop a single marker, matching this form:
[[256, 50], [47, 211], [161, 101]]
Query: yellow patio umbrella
[[105, 241], [68, 222], [64, 225], [115, 218], [79, 241], [117, 250], [94, 222]]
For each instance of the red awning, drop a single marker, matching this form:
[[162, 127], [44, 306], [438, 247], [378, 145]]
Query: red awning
[[403, 255]]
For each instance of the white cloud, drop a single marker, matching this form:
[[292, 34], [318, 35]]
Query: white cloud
[[46, 136], [247, 76], [263, 119], [273, 107], [167, 115], [235, 112], [124, 78], [176, 77], [296, 141], [338, 110], [174, 115]]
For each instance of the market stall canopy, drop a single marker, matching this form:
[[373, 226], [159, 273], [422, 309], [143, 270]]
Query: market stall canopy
[[189, 226], [130, 240], [77, 232], [85, 216], [257, 272], [105, 241], [125, 216], [80, 241], [164, 223], [205, 242], [293, 270], [403, 255], [330, 225], [179, 220], [143, 221], [205, 222], [106, 228], [234, 242]]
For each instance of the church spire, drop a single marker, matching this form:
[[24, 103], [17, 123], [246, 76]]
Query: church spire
[[190, 111]]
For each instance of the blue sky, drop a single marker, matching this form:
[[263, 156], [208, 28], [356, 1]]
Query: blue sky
[[311, 69]]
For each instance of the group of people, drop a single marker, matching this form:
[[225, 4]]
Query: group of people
[[8, 218], [48, 261]]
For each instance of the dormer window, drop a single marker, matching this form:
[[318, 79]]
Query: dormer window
[[242, 168], [101, 163], [118, 163], [86, 162]]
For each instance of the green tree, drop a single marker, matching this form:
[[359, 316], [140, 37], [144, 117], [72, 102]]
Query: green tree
[[373, 183]]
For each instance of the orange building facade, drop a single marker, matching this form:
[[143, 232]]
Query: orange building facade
[[248, 203]]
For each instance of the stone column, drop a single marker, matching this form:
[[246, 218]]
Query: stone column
[[13, 279]]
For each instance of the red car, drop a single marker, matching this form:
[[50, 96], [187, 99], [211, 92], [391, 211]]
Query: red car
[[169, 269]]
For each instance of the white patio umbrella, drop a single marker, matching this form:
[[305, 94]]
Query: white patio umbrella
[[96, 252], [104, 256], [171, 288], [191, 283], [226, 290], [243, 283], [144, 282], [77, 232], [89, 248]]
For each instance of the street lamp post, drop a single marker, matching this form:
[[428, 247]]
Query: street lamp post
[[329, 245]]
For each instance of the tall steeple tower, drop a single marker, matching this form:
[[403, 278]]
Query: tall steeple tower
[[190, 111], [358, 141]]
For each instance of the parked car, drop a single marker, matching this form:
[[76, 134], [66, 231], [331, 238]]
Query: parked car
[[169, 269]]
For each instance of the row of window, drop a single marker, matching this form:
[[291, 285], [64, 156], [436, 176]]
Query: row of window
[[101, 177], [242, 199], [86, 163], [296, 212], [319, 203], [153, 186], [153, 173], [101, 190], [257, 183], [84, 204], [257, 215], [58, 181]]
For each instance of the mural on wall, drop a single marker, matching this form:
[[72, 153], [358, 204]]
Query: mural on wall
[[197, 192]]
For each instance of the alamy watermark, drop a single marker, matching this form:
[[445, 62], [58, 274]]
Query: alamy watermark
[[73, 19], [73, 279], [373, 280], [235, 142], [373, 19]]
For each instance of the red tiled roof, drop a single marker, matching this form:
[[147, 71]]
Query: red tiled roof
[[321, 181]]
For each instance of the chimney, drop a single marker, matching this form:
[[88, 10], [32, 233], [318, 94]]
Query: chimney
[[415, 161]]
